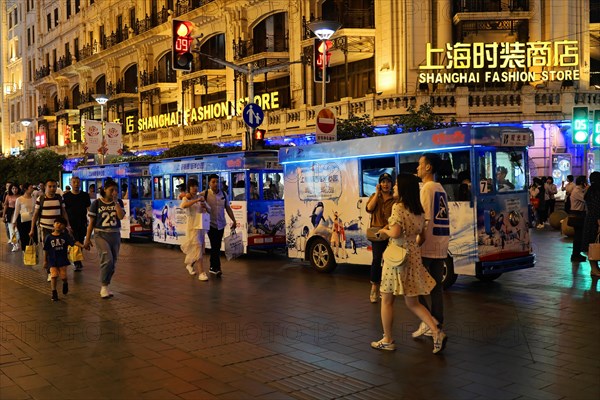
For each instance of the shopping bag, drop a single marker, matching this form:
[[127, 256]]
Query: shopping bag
[[234, 247], [30, 255], [202, 221], [594, 250], [75, 254]]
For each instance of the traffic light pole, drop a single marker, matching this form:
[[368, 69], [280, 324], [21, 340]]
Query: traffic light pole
[[249, 72]]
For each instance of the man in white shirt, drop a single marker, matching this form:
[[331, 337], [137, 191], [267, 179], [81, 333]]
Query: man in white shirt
[[219, 203], [434, 241]]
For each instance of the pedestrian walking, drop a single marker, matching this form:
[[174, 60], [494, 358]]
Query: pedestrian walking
[[48, 206], [591, 226], [379, 206], [77, 204], [105, 217], [24, 209], [194, 203], [10, 201], [218, 203], [577, 217], [410, 279], [435, 238], [56, 246], [568, 188], [550, 190]]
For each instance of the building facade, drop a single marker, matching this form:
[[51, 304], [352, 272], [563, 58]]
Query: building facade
[[506, 61]]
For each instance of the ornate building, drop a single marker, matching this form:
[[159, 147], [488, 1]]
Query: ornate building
[[517, 61]]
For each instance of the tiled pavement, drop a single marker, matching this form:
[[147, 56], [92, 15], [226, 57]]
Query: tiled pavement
[[274, 329]]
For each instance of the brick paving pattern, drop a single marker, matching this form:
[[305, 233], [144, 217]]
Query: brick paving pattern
[[274, 329]]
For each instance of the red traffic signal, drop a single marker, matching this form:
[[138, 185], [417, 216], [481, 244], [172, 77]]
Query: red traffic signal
[[319, 59], [182, 45], [259, 134]]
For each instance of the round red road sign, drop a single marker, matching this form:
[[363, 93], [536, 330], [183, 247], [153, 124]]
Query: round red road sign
[[326, 120]]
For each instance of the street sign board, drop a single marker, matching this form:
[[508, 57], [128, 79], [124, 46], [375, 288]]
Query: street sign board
[[253, 115], [326, 126]]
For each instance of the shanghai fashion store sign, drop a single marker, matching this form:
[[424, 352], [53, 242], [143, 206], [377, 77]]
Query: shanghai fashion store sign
[[502, 62]]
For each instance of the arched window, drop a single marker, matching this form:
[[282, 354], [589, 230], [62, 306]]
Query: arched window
[[164, 69], [101, 84], [215, 46], [75, 96], [271, 34], [130, 76]]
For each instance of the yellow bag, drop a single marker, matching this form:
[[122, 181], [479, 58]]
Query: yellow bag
[[30, 255], [75, 253]]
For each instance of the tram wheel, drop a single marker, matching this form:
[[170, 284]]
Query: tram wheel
[[448, 277], [321, 256]]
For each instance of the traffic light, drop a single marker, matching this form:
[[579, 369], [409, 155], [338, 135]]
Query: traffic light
[[258, 138], [319, 59], [596, 129], [580, 125], [182, 45]]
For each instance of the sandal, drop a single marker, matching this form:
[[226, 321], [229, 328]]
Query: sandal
[[439, 341]]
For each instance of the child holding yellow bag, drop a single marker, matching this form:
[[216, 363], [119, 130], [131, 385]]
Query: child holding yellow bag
[[56, 247]]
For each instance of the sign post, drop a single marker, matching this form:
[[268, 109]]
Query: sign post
[[326, 126]]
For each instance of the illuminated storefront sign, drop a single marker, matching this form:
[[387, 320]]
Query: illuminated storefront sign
[[267, 101], [516, 58]]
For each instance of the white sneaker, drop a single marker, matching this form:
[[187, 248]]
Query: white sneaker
[[104, 293], [190, 269], [422, 331], [202, 277], [49, 278]]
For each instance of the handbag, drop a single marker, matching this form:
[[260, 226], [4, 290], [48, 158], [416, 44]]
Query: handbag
[[395, 255], [202, 221], [594, 250], [30, 255], [234, 246], [372, 234], [75, 253]]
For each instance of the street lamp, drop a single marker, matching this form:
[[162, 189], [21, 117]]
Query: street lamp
[[101, 99], [26, 122], [324, 30]]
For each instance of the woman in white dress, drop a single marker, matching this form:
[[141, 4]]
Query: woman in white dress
[[410, 279], [193, 246]]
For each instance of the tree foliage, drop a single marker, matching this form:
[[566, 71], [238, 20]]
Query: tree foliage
[[32, 166], [355, 127], [193, 149], [422, 119]]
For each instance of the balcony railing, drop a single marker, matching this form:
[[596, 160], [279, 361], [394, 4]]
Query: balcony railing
[[157, 76], [185, 6], [88, 50], [63, 62], [118, 88], [42, 72], [490, 5], [247, 48]]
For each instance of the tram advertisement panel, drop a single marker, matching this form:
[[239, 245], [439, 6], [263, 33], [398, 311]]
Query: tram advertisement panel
[[502, 228], [168, 222], [140, 218], [322, 199], [266, 223]]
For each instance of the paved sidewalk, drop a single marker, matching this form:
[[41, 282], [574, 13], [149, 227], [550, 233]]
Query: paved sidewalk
[[274, 329]]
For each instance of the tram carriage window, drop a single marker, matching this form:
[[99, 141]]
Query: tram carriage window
[[271, 188], [371, 169], [254, 179], [124, 189], [133, 190], [486, 172], [167, 186], [224, 182], [510, 175], [239, 185], [158, 187], [146, 187]]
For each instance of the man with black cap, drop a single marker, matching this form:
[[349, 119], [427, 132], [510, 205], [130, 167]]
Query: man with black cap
[[379, 206]]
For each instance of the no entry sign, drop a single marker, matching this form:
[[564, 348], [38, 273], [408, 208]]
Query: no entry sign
[[326, 126]]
